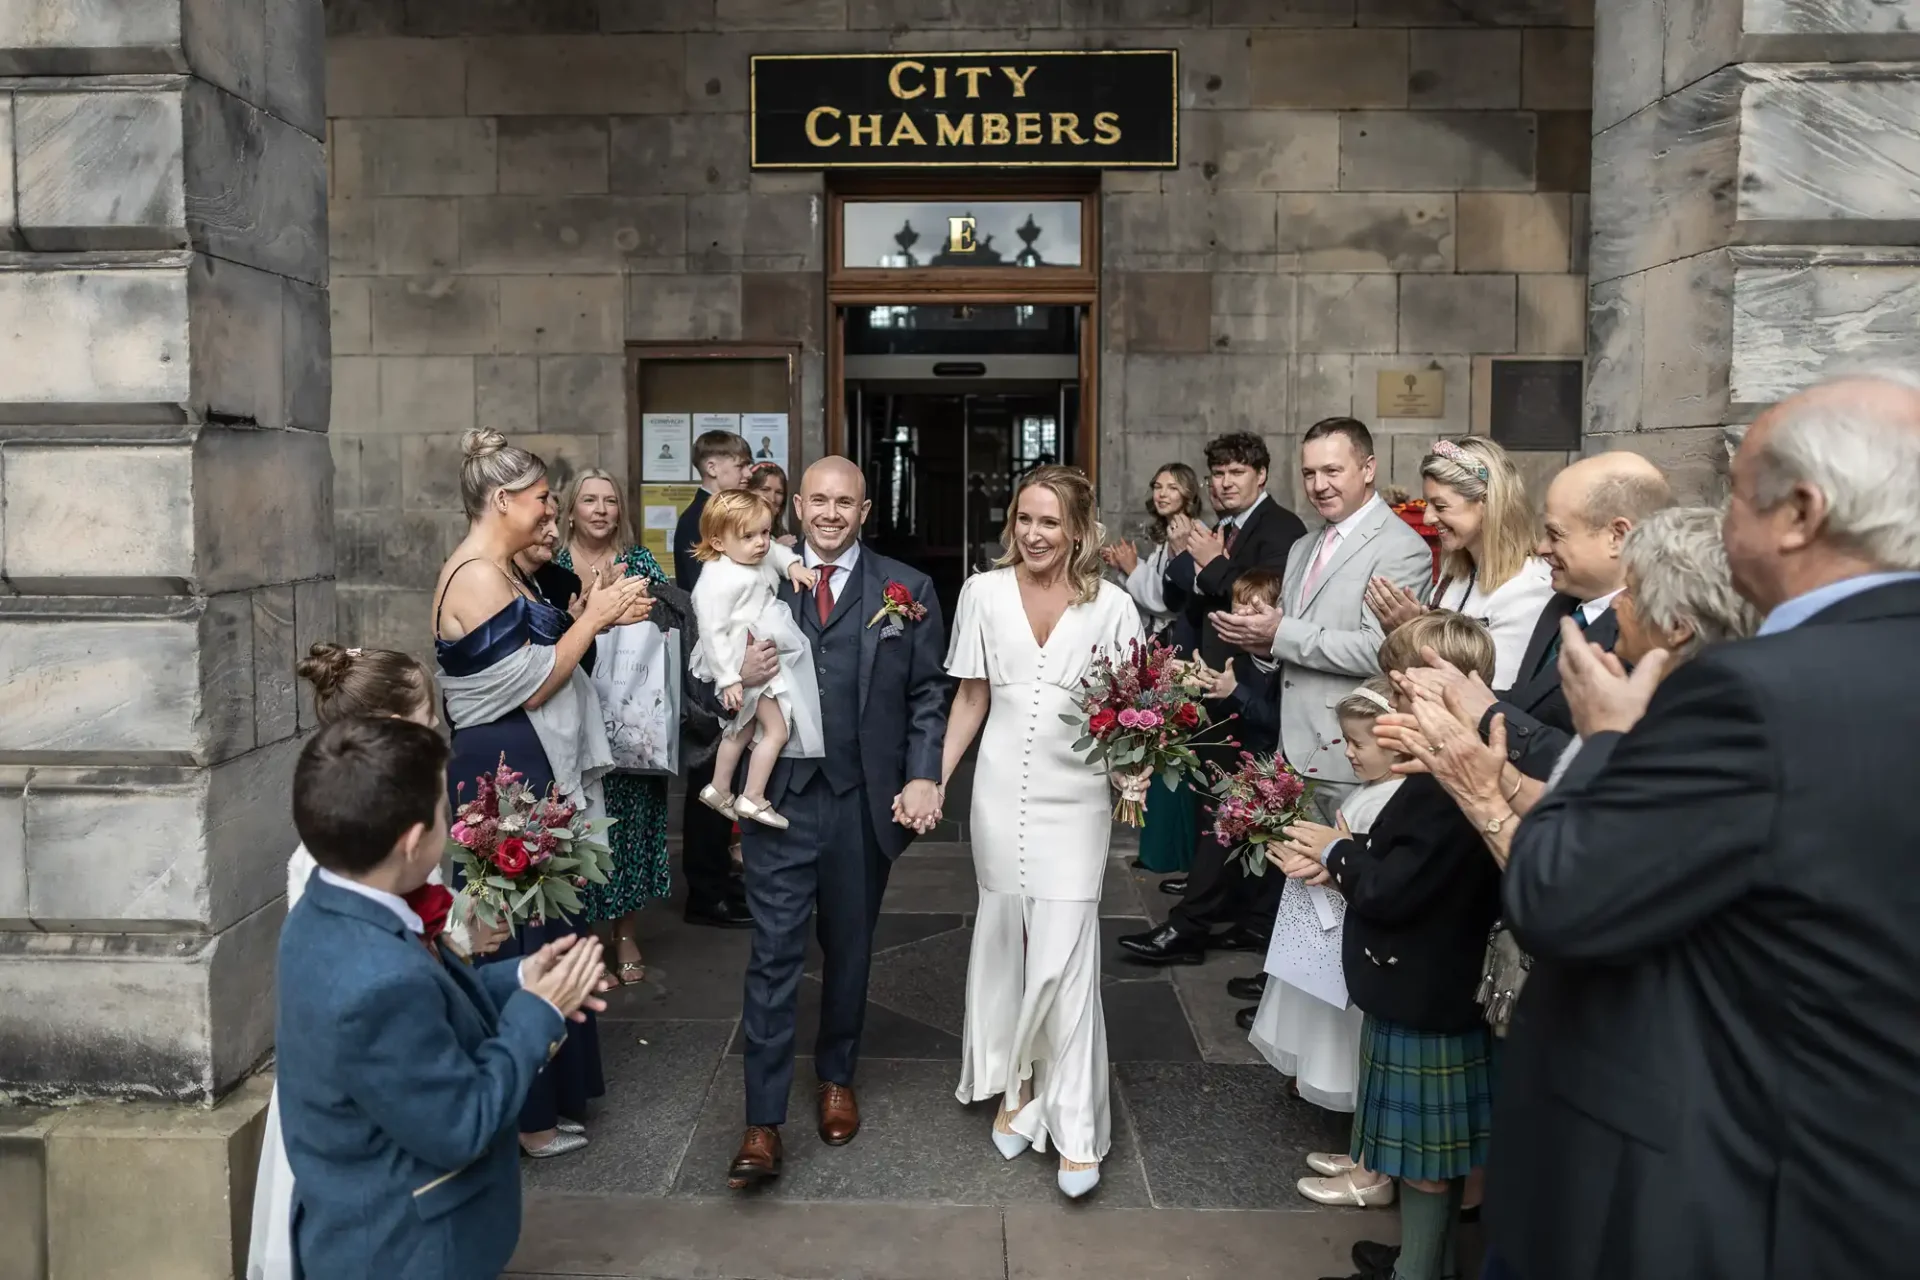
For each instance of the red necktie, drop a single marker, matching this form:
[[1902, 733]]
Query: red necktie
[[1233, 534], [822, 597]]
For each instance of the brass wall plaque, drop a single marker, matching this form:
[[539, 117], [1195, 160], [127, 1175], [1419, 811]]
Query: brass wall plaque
[[1411, 393]]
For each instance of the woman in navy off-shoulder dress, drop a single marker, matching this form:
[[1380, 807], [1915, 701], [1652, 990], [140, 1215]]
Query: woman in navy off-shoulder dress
[[490, 624]]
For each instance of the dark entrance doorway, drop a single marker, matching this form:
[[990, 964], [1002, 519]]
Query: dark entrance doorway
[[948, 406]]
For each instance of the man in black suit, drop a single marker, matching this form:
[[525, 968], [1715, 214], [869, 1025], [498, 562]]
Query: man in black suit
[[1590, 508], [713, 895], [1711, 1074], [883, 709]]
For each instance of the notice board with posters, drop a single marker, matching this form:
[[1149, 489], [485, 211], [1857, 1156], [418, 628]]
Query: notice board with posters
[[677, 390], [1080, 109]]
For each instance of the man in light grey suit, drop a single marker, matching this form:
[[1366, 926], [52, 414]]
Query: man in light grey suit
[[1325, 638], [1327, 643]]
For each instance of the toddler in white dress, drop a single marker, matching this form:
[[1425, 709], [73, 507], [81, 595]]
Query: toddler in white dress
[[737, 600], [1306, 1027]]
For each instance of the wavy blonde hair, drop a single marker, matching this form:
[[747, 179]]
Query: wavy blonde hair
[[1079, 516], [1479, 470], [622, 530]]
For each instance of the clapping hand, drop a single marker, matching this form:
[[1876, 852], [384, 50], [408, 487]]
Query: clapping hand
[[1252, 632], [1467, 696], [1393, 604], [615, 605], [1205, 545], [1180, 527], [1601, 695], [565, 973], [918, 806], [1122, 555], [801, 577]]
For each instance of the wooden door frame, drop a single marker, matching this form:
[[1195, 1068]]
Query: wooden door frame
[[954, 286]]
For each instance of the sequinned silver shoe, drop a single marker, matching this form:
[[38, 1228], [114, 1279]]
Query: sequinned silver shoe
[[560, 1144]]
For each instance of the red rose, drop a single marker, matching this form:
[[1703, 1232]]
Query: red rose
[[898, 595], [511, 856], [1186, 716], [432, 903], [1102, 722]]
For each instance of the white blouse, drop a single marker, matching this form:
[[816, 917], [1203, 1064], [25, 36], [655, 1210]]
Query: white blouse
[[1146, 584], [1510, 612]]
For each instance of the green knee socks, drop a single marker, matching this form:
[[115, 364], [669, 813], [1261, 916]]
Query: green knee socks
[[1426, 1231]]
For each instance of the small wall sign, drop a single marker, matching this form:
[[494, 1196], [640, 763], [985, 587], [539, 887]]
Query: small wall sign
[[1411, 393]]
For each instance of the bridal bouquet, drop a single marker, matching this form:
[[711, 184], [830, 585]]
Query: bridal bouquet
[[1139, 715], [1255, 804], [524, 857]]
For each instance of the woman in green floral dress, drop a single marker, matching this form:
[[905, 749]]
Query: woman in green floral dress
[[596, 536]]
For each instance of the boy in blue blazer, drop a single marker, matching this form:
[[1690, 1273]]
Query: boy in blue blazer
[[402, 1071]]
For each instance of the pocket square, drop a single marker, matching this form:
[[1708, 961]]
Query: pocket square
[[893, 628]]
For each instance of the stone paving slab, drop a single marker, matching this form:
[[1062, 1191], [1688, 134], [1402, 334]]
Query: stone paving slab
[[1054, 1243]]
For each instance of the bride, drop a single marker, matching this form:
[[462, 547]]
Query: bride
[[1024, 635]]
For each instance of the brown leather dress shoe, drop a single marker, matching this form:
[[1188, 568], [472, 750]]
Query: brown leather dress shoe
[[839, 1114], [758, 1159]]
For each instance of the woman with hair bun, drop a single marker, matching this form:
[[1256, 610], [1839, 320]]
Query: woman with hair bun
[[509, 665], [1024, 636], [368, 683]]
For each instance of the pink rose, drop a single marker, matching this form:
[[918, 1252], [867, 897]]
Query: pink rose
[[1129, 719]]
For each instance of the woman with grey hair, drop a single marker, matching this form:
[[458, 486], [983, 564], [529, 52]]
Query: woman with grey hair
[[1679, 597]]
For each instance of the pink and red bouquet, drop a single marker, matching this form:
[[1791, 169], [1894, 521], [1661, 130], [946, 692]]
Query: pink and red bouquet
[[1139, 715], [523, 857], [1254, 805]]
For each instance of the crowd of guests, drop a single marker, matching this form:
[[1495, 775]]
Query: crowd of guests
[[1543, 765], [1595, 915]]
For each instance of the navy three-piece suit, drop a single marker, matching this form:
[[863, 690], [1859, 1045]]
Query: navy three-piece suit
[[400, 1080], [883, 709]]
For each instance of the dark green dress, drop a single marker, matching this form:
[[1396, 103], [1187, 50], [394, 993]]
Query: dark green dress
[[638, 804], [1166, 841]]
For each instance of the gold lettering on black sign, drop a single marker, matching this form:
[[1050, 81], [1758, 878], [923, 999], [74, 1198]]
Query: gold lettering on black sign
[[1057, 108], [960, 233]]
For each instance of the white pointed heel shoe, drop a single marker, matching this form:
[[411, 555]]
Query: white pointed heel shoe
[[1009, 1145], [1330, 1164], [745, 810], [718, 801], [1075, 1183]]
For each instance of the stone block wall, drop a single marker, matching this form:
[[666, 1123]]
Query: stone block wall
[[518, 189], [166, 528], [1754, 212]]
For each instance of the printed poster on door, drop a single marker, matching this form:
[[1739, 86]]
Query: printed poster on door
[[666, 448], [766, 436]]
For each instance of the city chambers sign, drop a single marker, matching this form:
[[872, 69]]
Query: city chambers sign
[[1103, 109]]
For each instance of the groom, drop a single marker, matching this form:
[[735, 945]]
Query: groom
[[883, 707]]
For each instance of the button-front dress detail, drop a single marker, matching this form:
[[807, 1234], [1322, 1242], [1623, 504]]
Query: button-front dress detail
[[1040, 827]]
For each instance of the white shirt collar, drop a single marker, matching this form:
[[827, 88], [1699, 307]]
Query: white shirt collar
[[1352, 522], [392, 902], [1239, 519], [845, 562], [1592, 609]]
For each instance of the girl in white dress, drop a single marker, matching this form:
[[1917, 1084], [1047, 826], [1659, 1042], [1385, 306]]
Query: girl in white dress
[[1024, 636], [346, 682], [1305, 1026], [1478, 500], [738, 596]]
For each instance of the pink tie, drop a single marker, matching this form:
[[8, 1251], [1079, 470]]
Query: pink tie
[[1319, 563]]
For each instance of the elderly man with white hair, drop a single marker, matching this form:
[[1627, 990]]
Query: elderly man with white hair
[[1714, 1072]]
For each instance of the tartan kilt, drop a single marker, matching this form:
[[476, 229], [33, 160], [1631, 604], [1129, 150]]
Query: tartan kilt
[[1424, 1102]]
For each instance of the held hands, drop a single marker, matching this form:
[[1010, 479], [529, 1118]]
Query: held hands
[[565, 973], [1253, 632], [733, 696], [1600, 693], [918, 806], [801, 577], [1393, 604]]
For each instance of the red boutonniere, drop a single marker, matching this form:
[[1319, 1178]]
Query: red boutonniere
[[900, 604], [433, 903]]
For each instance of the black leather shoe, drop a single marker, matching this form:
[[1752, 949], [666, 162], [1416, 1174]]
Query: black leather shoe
[[1247, 988], [1240, 938], [1165, 945], [1374, 1258], [1174, 886], [720, 915], [1244, 1018]]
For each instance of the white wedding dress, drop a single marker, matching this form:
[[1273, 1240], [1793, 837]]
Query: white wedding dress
[[1040, 826]]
